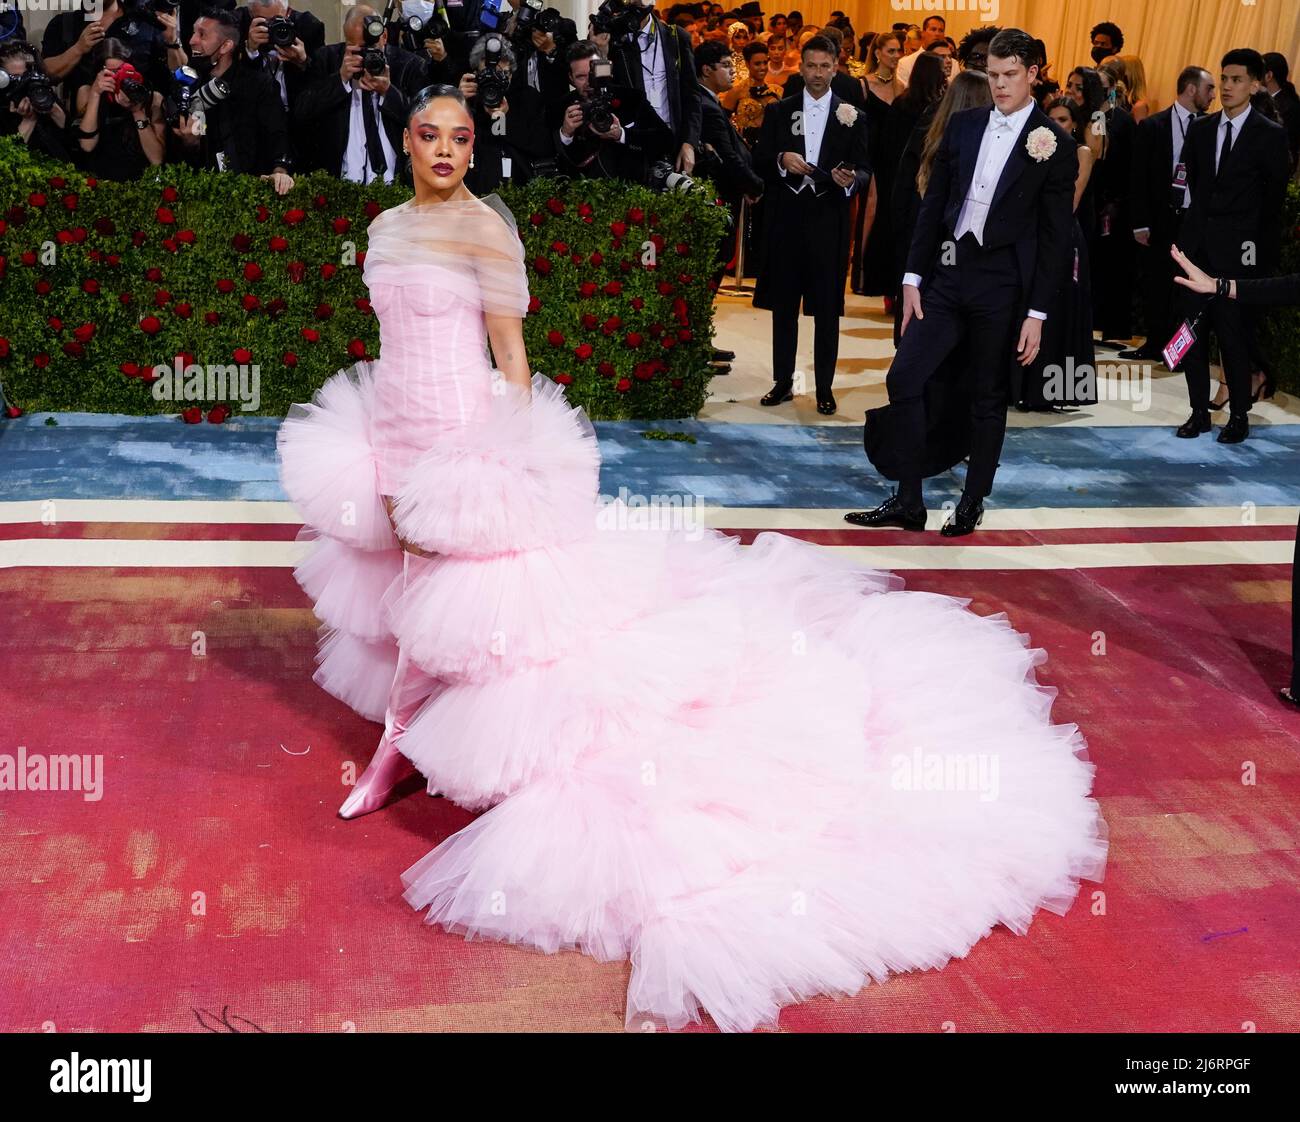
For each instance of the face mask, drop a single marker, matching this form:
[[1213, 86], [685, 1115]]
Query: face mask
[[423, 9], [202, 65], [1099, 53]]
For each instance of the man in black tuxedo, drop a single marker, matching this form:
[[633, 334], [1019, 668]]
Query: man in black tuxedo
[[843, 86], [656, 61], [813, 153], [1282, 91], [1237, 167], [1158, 201], [287, 66], [356, 118], [723, 156], [991, 247]]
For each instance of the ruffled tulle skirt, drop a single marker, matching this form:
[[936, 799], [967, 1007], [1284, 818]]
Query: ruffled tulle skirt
[[758, 773]]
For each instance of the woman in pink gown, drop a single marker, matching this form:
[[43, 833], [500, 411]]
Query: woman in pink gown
[[758, 773]]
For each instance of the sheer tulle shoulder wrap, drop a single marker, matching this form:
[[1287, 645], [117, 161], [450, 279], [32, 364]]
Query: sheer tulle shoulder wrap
[[525, 475], [476, 238]]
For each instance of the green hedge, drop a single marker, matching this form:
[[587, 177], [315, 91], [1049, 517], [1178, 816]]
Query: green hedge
[[1279, 331], [102, 280]]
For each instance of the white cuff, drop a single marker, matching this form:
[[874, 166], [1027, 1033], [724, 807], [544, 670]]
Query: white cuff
[[914, 279], [1142, 230], [1037, 315], [565, 139]]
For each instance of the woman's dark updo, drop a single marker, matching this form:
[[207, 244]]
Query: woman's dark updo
[[422, 99]]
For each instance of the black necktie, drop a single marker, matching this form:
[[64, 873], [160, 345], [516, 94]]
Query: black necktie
[[1227, 146], [374, 150]]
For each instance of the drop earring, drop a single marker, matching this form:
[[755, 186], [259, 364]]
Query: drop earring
[[471, 159]]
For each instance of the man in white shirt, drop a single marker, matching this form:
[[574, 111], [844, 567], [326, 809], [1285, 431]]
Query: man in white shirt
[[932, 30], [987, 258]]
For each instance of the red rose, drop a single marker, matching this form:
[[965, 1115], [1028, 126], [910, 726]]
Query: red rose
[[534, 305], [90, 286], [28, 258], [275, 307], [241, 242], [139, 238], [311, 334], [74, 350], [633, 339], [542, 265], [252, 271], [84, 333], [169, 244], [372, 208], [320, 202], [328, 270], [154, 275], [185, 359], [293, 217], [296, 270], [668, 342], [560, 247], [576, 258], [192, 416], [611, 325], [41, 360], [323, 311], [564, 379], [622, 385], [363, 305], [250, 302], [124, 298], [644, 371], [212, 318], [685, 278], [606, 369], [164, 215], [588, 320], [585, 210], [536, 218], [665, 288], [583, 351], [4, 347], [241, 355], [70, 201], [151, 325], [92, 182], [183, 310], [361, 258], [162, 298], [613, 288], [635, 214], [130, 369], [618, 229], [555, 338], [356, 348], [105, 226], [13, 411], [638, 303], [655, 330], [57, 182], [289, 358], [278, 244], [685, 334], [54, 323], [79, 234], [36, 199], [263, 214], [225, 285], [218, 413], [341, 225], [554, 205], [114, 259], [42, 287], [657, 240], [654, 220], [597, 258], [169, 194], [185, 237], [587, 289], [682, 248]]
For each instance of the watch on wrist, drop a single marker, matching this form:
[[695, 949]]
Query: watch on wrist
[[141, 123]]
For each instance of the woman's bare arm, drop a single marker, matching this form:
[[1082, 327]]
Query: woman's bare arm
[[506, 334]]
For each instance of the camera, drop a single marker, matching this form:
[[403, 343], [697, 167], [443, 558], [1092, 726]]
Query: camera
[[280, 31], [597, 109], [664, 179], [492, 84], [373, 61], [618, 19], [129, 82], [36, 88]]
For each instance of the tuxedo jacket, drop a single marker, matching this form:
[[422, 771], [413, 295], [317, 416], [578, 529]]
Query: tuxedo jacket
[[1287, 102], [841, 143], [732, 169], [1152, 174], [1032, 206], [1241, 202], [683, 89], [646, 139], [841, 84]]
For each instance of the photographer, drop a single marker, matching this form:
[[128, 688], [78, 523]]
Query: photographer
[[643, 47], [607, 131], [281, 41], [355, 106], [541, 39], [119, 126], [29, 107], [238, 123], [147, 29], [509, 124]]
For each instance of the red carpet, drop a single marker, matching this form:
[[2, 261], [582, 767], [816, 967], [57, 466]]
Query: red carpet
[[214, 876]]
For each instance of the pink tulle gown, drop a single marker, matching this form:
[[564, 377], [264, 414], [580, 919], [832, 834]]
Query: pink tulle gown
[[760, 773]]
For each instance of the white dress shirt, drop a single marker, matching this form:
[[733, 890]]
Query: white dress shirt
[[903, 72], [275, 68], [356, 167], [815, 112], [1001, 135], [1237, 122], [1179, 119], [654, 69]]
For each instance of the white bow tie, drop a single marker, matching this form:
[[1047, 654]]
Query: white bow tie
[[998, 121]]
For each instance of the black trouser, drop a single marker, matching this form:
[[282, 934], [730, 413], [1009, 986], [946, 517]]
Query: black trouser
[[1229, 322], [785, 341], [1159, 293], [972, 304]]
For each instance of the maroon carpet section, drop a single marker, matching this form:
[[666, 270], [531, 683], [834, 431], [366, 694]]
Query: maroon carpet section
[[212, 887]]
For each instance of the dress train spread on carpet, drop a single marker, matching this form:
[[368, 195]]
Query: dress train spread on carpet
[[758, 773]]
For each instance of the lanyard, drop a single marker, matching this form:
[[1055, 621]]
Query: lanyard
[[654, 54]]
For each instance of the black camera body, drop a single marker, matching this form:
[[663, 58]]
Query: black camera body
[[373, 61], [36, 88], [598, 108], [281, 31], [619, 19], [491, 83]]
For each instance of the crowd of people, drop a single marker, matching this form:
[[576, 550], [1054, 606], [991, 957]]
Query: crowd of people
[[665, 99]]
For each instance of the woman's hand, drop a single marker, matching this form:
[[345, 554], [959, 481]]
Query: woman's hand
[[1197, 279]]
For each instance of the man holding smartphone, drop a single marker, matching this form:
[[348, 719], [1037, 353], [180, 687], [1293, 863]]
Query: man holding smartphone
[[813, 153]]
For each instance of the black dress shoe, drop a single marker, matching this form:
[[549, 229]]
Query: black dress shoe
[[968, 515], [775, 396], [1196, 424], [718, 368], [826, 407], [723, 356], [1142, 354], [1236, 430], [891, 512]]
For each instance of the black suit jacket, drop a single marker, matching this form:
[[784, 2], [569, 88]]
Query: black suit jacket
[[1032, 206], [840, 144], [841, 85], [1240, 205], [646, 139], [312, 33], [323, 111], [1288, 108], [683, 89], [732, 168], [1151, 175]]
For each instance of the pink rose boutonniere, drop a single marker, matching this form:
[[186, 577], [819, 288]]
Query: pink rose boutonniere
[[846, 114], [1041, 143]]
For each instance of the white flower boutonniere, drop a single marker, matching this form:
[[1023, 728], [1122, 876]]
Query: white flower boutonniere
[[1041, 143], [846, 114]]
